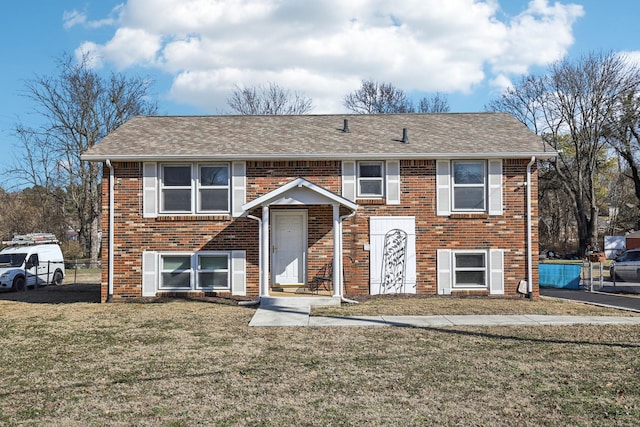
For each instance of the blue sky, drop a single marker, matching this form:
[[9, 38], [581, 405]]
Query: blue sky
[[197, 50]]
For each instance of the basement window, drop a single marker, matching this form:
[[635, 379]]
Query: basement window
[[470, 270]]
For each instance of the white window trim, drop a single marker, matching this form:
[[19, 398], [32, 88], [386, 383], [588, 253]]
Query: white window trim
[[161, 271], [163, 188], [198, 270], [454, 186], [193, 271], [455, 269], [494, 267], [199, 210], [359, 179], [195, 188]]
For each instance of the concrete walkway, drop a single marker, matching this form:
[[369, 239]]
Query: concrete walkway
[[298, 315]]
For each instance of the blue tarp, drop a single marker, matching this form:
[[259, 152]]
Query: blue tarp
[[565, 276]]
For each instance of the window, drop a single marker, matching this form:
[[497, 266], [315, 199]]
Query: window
[[470, 270], [194, 271], [469, 186], [370, 179], [176, 188], [175, 271], [208, 188], [213, 271], [213, 184]]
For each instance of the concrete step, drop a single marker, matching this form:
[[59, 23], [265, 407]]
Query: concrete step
[[297, 301]]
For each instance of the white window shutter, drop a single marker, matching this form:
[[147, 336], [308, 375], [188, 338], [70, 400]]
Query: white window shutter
[[149, 273], [495, 187], [443, 187], [149, 189], [444, 272], [238, 273], [239, 187], [496, 272], [349, 180], [392, 171]]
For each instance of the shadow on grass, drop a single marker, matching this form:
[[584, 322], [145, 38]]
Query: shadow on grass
[[51, 294], [530, 339]]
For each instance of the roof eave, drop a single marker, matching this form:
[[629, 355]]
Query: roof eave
[[541, 155]]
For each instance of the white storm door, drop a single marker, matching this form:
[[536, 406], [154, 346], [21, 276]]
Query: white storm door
[[288, 246]]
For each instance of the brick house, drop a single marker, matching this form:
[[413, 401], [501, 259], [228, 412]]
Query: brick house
[[437, 204]]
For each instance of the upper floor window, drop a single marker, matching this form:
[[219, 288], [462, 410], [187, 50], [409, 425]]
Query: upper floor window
[[370, 179], [213, 188], [469, 185], [201, 188]]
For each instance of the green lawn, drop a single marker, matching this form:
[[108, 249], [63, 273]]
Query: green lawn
[[188, 363]]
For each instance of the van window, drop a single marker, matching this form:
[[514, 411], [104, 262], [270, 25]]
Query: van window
[[33, 260], [13, 260]]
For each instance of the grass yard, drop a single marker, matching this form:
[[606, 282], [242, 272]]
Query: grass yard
[[185, 363]]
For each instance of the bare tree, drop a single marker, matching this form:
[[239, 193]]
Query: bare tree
[[623, 131], [76, 108], [269, 100], [570, 107], [384, 98], [437, 103], [377, 98]]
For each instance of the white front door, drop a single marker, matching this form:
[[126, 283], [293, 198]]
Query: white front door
[[288, 246]]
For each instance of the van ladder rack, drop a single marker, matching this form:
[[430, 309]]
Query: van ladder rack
[[31, 239]]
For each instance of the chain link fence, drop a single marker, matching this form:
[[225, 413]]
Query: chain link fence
[[82, 271]]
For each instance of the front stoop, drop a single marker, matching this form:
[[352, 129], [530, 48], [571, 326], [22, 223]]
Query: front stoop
[[297, 301]]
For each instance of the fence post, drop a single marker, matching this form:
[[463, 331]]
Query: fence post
[[48, 272], [601, 279]]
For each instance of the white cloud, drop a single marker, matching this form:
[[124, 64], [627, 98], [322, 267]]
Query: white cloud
[[72, 18], [632, 57], [325, 48]]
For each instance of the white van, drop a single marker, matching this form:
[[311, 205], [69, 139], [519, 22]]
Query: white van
[[30, 260]]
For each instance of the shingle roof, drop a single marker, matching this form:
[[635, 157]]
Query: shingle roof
[[320, 137]]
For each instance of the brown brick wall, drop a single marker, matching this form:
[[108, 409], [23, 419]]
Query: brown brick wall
[[135, 234]]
